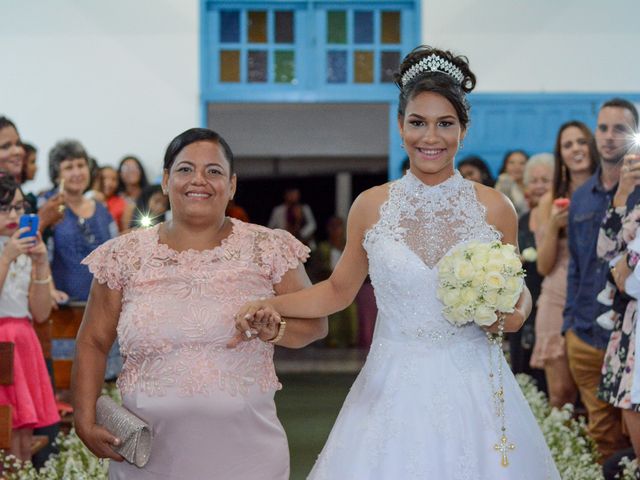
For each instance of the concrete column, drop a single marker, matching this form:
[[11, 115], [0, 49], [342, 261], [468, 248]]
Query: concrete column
[[343, 194]]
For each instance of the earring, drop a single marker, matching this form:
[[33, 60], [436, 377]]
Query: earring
[[402, 143], [461, 144]]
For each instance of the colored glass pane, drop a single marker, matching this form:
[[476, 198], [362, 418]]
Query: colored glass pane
[[257, 63], [284, 27], [363, 67], [337, 27], [229, 26], [390, 31], [363, 27], [389, 62], [285, 66], [230, 65], [336, 67], [257, 27]]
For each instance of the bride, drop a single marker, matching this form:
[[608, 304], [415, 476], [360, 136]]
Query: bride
[[423, 405]]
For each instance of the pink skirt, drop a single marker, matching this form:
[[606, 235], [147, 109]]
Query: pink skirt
[[31, 394]]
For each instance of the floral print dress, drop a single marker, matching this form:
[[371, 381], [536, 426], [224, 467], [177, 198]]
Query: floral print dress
[[616, 231]]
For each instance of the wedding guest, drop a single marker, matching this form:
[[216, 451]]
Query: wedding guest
[[12, 155], [343, 325], [25, 299], [475, 169], [236, 211], [86, 224], [294, 217], [151, 208], [12, 152], [510, 179], [116, 204], [619, 371], [576, 159], [30, 164], [538, 177], [132, 180], [171, 291], [585, 339]]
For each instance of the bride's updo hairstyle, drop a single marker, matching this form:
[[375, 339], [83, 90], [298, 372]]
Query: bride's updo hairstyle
[[428, 69]]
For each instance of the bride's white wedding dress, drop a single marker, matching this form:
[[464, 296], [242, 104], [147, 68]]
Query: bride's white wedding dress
[[422, 406]]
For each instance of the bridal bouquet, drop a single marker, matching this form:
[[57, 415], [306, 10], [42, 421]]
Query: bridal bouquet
[[477, 279]]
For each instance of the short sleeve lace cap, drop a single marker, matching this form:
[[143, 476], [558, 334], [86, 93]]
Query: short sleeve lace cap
[[280, 252], [115, 261]]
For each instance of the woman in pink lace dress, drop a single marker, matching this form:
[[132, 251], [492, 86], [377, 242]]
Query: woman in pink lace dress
[[171, 292]]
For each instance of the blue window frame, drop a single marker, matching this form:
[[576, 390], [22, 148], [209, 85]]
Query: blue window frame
[[304, 50]]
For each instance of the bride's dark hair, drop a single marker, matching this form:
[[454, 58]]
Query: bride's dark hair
[[436, 82]]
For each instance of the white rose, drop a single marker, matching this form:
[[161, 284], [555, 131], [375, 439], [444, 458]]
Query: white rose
[[494, 280], [507, 250], [491, 298], [514, 285], [453, 316], [485, 316], [530, 254], [463, 270], [468, 296], [448, 296], [480, 258], [494, 264], [462, 314], [514, 264], [506, 303]]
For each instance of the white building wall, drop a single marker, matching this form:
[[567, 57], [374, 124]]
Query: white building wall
[[541, 45], [121, 76]]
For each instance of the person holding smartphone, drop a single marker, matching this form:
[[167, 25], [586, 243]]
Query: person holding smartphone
[[25, 298]]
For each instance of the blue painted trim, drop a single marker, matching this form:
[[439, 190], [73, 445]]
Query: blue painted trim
[[396, 152]]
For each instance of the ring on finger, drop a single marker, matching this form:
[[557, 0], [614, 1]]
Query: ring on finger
[[247, 333]]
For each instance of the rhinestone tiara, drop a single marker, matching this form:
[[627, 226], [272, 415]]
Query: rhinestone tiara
[[433, 63]]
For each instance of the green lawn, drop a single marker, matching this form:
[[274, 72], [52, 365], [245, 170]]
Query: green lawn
[[308, 406]]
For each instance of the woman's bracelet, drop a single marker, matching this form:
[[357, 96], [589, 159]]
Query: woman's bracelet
[[281, 329], [43, 281]]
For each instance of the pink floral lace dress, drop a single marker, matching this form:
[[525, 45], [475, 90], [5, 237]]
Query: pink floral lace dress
[[211, 408]]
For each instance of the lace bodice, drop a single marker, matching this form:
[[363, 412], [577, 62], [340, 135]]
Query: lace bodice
[[178, 307], [418, 225]]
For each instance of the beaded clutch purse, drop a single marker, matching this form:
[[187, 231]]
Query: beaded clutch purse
[[134, 433]]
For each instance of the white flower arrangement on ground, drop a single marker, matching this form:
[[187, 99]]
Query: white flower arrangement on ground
[[573, 451], [73, 462], [477, 279]]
